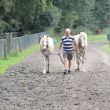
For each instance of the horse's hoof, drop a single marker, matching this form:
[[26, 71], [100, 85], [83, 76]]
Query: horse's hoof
[[77, 70], [83, 70], [44, 71], [48, 72]]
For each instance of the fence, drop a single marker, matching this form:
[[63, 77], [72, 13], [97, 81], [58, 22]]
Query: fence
[[17, 44]]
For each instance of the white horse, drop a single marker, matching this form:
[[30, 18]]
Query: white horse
[[47, 48], [81, 41]]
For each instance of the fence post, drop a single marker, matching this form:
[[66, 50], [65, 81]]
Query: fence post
[[8, 42], [108, 38], [5, 54], [39, 37], [20, 45]]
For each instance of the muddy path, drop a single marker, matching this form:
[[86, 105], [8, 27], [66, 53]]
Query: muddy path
[[24, 87]]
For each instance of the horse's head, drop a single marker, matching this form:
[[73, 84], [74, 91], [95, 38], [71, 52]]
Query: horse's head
[[44, 42], [83, 39]]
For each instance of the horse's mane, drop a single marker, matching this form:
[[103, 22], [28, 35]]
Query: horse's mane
[[76, 37], [85, 36]]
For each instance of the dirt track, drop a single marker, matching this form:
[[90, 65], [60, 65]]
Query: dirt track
[[24, 87]]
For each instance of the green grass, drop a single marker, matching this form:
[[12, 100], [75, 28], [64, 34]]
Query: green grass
[[106, 48], [92, 38], [100, 38], [15, 59], [97, 38], [58, 40]]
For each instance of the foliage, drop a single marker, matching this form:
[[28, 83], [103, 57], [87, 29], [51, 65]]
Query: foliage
[[100, 13], [41, 15]]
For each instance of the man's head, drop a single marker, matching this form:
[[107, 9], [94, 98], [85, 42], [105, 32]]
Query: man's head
[[67, 32]]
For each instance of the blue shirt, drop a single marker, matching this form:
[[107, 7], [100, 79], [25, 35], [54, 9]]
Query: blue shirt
[[67, 43]]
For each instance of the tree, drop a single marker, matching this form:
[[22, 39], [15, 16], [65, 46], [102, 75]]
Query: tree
[[5, 8], [49, 18], [75, 13], [100, 13], [41, 15]]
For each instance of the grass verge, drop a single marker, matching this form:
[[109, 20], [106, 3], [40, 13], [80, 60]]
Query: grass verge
[[92, 38], [58, 39], [100, 38], [15, 59], [106, 48], [97, 38]]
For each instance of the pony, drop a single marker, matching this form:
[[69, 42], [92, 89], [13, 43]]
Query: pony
[[81, 42], [46, 48]]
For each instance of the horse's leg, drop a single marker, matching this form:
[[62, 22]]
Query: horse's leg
[[48, 64], [78, 62], [77, 57], [75, 60], [83, 69], [44, 70]]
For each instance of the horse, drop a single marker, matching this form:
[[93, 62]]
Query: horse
[[46, 48], [81, 42]]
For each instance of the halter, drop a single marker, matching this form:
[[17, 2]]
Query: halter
[[45, 45], [45, 51]]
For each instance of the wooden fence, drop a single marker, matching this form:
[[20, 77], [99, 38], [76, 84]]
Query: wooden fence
[[17, 44]]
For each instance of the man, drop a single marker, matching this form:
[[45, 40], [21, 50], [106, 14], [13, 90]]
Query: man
[[68, 44]]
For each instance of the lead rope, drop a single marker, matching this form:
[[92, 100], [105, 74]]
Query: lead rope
[[60, 58]]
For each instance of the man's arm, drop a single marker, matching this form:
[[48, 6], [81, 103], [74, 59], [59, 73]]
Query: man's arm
[[60, 48]]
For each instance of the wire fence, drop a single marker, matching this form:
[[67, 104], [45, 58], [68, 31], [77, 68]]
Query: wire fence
[[14, 45]]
